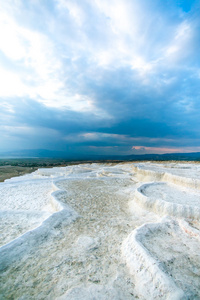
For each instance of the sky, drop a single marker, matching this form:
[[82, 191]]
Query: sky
[[100, 77]]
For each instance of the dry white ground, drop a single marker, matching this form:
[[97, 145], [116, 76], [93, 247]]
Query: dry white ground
[[98, 232]]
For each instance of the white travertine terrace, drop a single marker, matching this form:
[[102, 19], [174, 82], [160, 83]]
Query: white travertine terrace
[[168, 199], [102, 231], [186, 175]]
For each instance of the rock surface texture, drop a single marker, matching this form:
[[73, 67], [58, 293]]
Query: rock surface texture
[[101, 231]]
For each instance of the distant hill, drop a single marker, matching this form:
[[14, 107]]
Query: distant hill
[[168, 156], [43, 153]]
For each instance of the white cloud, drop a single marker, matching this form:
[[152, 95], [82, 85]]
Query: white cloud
[[41, 73], [181, 44], [11, 84], [163, 150], [38, 70], [75, 11], [11, 41], [89, 38], [32, 54], [122, 15], [101, 135]]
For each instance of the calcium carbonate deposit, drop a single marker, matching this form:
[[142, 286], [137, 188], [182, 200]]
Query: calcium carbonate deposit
[[102, 231]]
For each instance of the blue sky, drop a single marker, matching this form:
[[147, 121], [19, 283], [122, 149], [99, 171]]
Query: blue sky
[[99, 76]]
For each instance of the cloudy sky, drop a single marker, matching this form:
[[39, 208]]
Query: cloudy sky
[[99, 76]]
